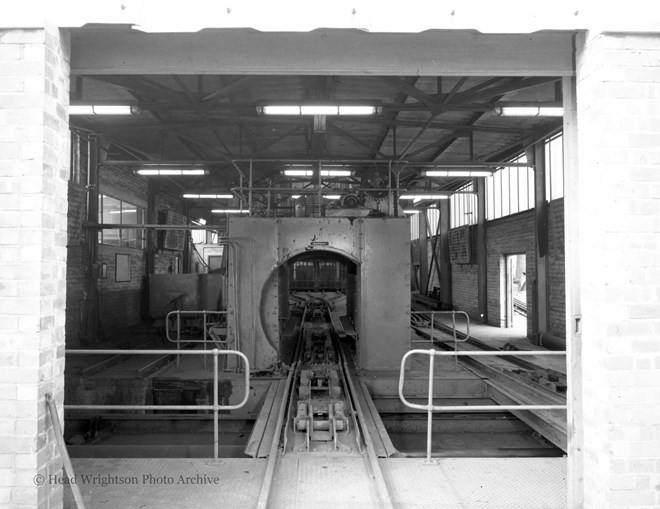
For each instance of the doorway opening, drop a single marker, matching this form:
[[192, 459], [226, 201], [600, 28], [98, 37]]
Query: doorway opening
[[516, 292]]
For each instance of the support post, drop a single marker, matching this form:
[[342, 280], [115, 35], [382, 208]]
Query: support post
[[423, 252], [444, 263], [537, 153], [482, 255]]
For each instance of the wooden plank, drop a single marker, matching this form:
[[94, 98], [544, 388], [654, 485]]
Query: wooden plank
[[257, 435]]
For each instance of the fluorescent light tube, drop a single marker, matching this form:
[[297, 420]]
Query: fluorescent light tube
[[298, 173], [357, 110], [324, 173], [332, 196], [170, 171], [418, 197], [103, 109], [319, 109], [209, 196], [411, 211], [528, 111], [336, 173], [280, 110], [458, 173], [229, 211], [295, 196]]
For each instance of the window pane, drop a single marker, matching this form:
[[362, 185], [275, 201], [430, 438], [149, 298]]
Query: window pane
[[523, 191], [548, 171], [497, 188], [111, 214], [513, 186], [557, 165], [506, 208]]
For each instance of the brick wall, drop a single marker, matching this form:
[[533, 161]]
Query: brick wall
[[121, 303], [509, 235], [617, 199], [164, 261], [464, 287], [34, 168], [556, 270]]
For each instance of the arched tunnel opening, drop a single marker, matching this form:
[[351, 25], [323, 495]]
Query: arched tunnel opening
[[326, 275]]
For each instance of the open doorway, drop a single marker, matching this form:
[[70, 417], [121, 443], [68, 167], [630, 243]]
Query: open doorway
[[516, 292]]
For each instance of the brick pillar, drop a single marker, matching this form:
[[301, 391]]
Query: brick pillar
[[34, 167], [618, 206]]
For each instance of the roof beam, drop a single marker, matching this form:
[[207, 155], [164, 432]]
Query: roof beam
[[199, 112], [424, 128], [358, 141], [228, 89], [403, 86], [401, 97]]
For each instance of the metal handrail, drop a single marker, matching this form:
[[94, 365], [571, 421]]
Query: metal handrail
[[215, 406], [178, 313], [453, 322], [430, 407]]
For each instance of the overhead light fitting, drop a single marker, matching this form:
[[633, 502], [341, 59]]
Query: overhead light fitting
[[458, 173], [229, 211], [324, 173], [331, 109], [170, 172], [295, 196], [528, 110], [170, 169], [418, 197], [332, 196], [411, 211], [104, 109], [208, 196]]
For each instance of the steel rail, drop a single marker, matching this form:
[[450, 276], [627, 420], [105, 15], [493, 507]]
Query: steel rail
[[382, 493], [430, 407], [280, 427]]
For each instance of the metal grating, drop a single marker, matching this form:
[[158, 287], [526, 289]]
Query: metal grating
[[158, 483], [330, 482], [493, 483]]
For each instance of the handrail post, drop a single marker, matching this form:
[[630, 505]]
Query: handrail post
[[204, 329], [215, 404], [467, 325], [178, 339], [429, 424]]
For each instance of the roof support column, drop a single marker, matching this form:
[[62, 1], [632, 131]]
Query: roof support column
[[482, 254], [536, 155], [423, 243], [444, 264]]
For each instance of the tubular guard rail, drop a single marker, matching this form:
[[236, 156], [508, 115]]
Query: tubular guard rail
[[430, 407], [205, 328], [453, 324], [215, 406]]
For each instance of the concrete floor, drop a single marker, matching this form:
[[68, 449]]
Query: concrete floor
[[452, 483]]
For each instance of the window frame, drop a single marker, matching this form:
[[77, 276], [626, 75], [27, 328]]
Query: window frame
[[124, 239]]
